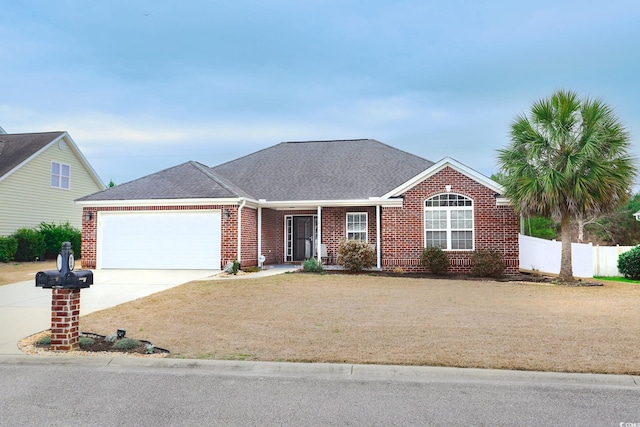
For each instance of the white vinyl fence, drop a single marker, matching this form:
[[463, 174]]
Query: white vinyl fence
[[587, 260], [605, 260]]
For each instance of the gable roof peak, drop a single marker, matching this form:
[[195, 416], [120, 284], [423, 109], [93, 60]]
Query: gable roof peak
[[18, 148], [438, 166]]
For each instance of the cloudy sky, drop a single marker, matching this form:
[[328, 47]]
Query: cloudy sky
[[143, 85]]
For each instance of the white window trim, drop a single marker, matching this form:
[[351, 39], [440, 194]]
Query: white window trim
[[366, 225], [448, 209], [60, 176]]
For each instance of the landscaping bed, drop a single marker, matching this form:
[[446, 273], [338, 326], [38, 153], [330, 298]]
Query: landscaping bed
[[93, 344]]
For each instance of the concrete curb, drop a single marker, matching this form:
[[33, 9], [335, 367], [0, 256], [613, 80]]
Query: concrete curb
[[329, 370]]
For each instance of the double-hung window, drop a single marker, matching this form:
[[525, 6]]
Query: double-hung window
[[448, 222], [60, 175], [357, 226]]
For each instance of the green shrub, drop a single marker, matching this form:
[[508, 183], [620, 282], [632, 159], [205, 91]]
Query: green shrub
[[252, 269], [45, 340], [126, 344], [629, 263], [111, 338], [356, 255], [235, 267], [312, 265], [487, 263], [435, 259], [30, 244], [54, 235], [86, 342], [8, 248]]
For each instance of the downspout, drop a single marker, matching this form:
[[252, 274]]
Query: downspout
[[244, 202], [259, 233], [319, 242], [378, 239]]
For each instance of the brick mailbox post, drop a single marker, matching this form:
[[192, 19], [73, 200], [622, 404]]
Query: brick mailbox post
[[65, 298]]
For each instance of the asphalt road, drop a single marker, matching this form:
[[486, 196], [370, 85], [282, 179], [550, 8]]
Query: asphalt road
[[108, 392]]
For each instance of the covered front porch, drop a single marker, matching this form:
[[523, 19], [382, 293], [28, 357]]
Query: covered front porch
[[290, 233]]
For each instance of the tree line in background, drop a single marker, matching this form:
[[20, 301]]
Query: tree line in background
[[619, 227], [616, 228]]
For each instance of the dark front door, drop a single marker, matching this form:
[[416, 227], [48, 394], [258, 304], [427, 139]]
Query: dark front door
[[303, 242]]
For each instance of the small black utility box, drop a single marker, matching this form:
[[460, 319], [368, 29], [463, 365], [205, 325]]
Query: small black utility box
[[64, 277]]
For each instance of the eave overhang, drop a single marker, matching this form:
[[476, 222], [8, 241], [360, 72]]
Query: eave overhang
[[167, 202], [308, 204], [251, 203]]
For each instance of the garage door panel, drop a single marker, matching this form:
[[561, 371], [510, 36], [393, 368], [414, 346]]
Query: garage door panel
[[160, 240]]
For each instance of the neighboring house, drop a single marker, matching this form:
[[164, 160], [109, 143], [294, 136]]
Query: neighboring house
[[41, 174], [298, 200]]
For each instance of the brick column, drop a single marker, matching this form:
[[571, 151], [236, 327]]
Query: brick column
[[65, 319]]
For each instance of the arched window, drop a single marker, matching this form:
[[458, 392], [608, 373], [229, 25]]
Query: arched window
[[448, 222]]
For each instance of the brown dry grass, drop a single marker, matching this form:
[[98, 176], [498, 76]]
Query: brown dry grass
[[364, 319], [13, 272]]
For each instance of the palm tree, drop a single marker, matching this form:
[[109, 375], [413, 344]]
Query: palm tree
[[568, 158]]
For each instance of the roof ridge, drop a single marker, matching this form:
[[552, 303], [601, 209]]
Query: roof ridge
[[403, 151], [328, 140], [246, 155], [284, 143], [34, 133]]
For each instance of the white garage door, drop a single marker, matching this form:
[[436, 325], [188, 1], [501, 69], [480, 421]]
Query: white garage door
[[159, 240]]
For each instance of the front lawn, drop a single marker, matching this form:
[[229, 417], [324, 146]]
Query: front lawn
[[14, 272], [387, 320], [617, 279]]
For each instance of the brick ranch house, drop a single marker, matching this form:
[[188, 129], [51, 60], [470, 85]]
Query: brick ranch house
[[297, 200]]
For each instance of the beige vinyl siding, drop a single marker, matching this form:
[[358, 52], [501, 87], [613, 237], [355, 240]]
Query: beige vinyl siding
[[27, 198]]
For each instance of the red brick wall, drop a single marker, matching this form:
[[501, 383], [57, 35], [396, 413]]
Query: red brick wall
[[334, 226], [249, 239], [403, 228], [272, 236], [229, 234], [65, 319], [89, 238]]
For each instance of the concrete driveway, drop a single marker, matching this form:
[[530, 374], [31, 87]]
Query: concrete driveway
[[26, 310]]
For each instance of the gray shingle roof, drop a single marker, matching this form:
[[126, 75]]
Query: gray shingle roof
[[323, 170], [289, 171], [189, 180], [17, 147]]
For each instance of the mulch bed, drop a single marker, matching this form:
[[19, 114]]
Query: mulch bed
[[101, 344], [522, 277]]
